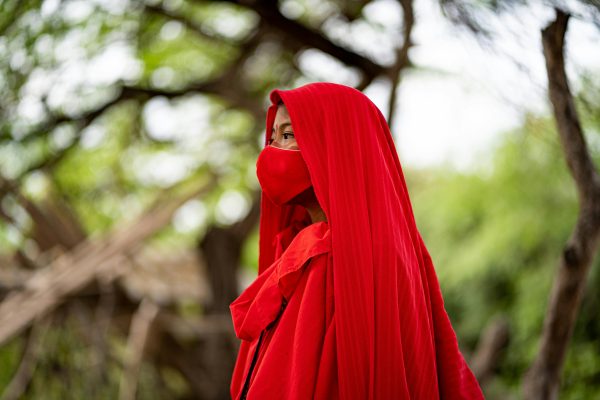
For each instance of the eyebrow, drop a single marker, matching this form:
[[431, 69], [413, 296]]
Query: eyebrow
[[282, 126]]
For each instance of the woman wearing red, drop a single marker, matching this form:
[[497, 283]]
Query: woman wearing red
[[347, 304]]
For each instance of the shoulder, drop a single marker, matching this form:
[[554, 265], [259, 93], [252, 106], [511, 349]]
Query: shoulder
[[311, 240]]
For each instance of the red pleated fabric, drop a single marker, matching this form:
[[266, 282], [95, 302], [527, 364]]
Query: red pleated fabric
[[296, 357], [350, 308]]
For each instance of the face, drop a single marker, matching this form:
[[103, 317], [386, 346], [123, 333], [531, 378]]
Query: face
[[282, 134]]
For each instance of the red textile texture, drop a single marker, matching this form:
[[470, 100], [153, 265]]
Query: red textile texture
[[350, 308]]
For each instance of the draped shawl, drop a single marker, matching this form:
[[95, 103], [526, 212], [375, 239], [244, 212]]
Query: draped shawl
[[393, 337]]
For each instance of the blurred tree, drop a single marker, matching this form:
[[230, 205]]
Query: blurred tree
[[542, 380]]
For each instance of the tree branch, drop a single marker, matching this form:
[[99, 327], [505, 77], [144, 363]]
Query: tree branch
[[492, 342], [138, 336], [401, 56], [221, 85], [577, 155], [33, 347], [107, 257], [542, 379], [300, 37]]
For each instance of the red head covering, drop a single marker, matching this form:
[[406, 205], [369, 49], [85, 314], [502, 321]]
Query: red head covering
[[393, 336]]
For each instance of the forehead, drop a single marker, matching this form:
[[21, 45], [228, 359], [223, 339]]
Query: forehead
[[281, 117], [282, 113]]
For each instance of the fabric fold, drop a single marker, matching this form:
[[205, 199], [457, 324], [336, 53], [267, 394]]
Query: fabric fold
[[261, 302]]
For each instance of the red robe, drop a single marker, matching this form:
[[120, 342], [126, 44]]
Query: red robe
[[301, 335], [365, 316]]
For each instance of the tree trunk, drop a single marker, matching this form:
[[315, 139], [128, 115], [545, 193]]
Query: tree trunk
[[542, 380]]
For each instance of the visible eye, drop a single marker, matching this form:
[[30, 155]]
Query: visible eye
[[286, 134]]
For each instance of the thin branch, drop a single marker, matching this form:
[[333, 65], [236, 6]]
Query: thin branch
[[402, 60], [300, 36], [102, 320], [136, 342], [33, 346], [51, 228], [492, 343]]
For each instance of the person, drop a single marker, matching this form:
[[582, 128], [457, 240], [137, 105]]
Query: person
[[346, 304]]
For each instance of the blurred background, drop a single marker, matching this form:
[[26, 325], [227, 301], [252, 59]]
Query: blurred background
[[129, 132]]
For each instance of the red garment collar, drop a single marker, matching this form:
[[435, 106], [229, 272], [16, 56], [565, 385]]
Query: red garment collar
[[260, 303]]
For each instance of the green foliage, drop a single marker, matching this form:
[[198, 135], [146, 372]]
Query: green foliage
[[10, 355], [496, 237], [249, 257]]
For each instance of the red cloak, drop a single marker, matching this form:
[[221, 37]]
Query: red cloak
[[350, 308]]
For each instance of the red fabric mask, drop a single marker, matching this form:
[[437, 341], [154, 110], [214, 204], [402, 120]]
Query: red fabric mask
[[393, 337], [282, 174]]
